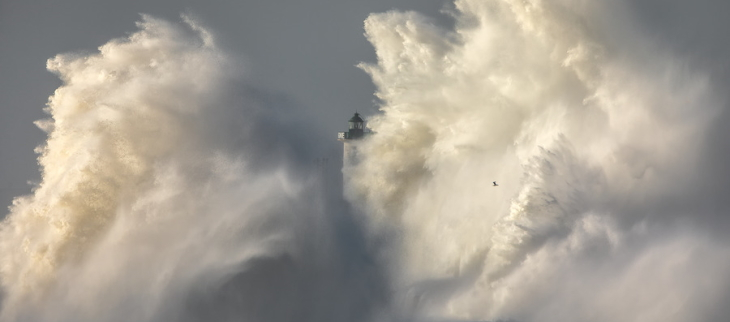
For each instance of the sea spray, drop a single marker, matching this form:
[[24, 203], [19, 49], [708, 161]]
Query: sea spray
[[170, 193], [584, 138], [120, 114]]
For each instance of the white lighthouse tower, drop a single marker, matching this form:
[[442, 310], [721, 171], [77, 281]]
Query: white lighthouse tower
[[351, 139]]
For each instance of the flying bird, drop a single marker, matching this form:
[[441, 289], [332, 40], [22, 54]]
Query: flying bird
[[494, 183]]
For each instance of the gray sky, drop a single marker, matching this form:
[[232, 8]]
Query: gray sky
[[304, 51]]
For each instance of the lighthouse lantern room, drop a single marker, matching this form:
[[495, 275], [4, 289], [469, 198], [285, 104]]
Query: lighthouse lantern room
[[356, 129]]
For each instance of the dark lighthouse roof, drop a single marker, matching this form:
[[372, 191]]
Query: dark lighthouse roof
[[356, 118]]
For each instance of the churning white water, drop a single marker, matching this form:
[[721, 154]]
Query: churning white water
[[171, 193]]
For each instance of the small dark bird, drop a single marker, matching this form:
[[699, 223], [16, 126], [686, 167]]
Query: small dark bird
[[494, 183]]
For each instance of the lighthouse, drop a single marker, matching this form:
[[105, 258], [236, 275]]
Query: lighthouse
[[356, 131], [352, 139]]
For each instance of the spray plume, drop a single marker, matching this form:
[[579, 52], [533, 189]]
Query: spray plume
[[166, 196], [587, 142]]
